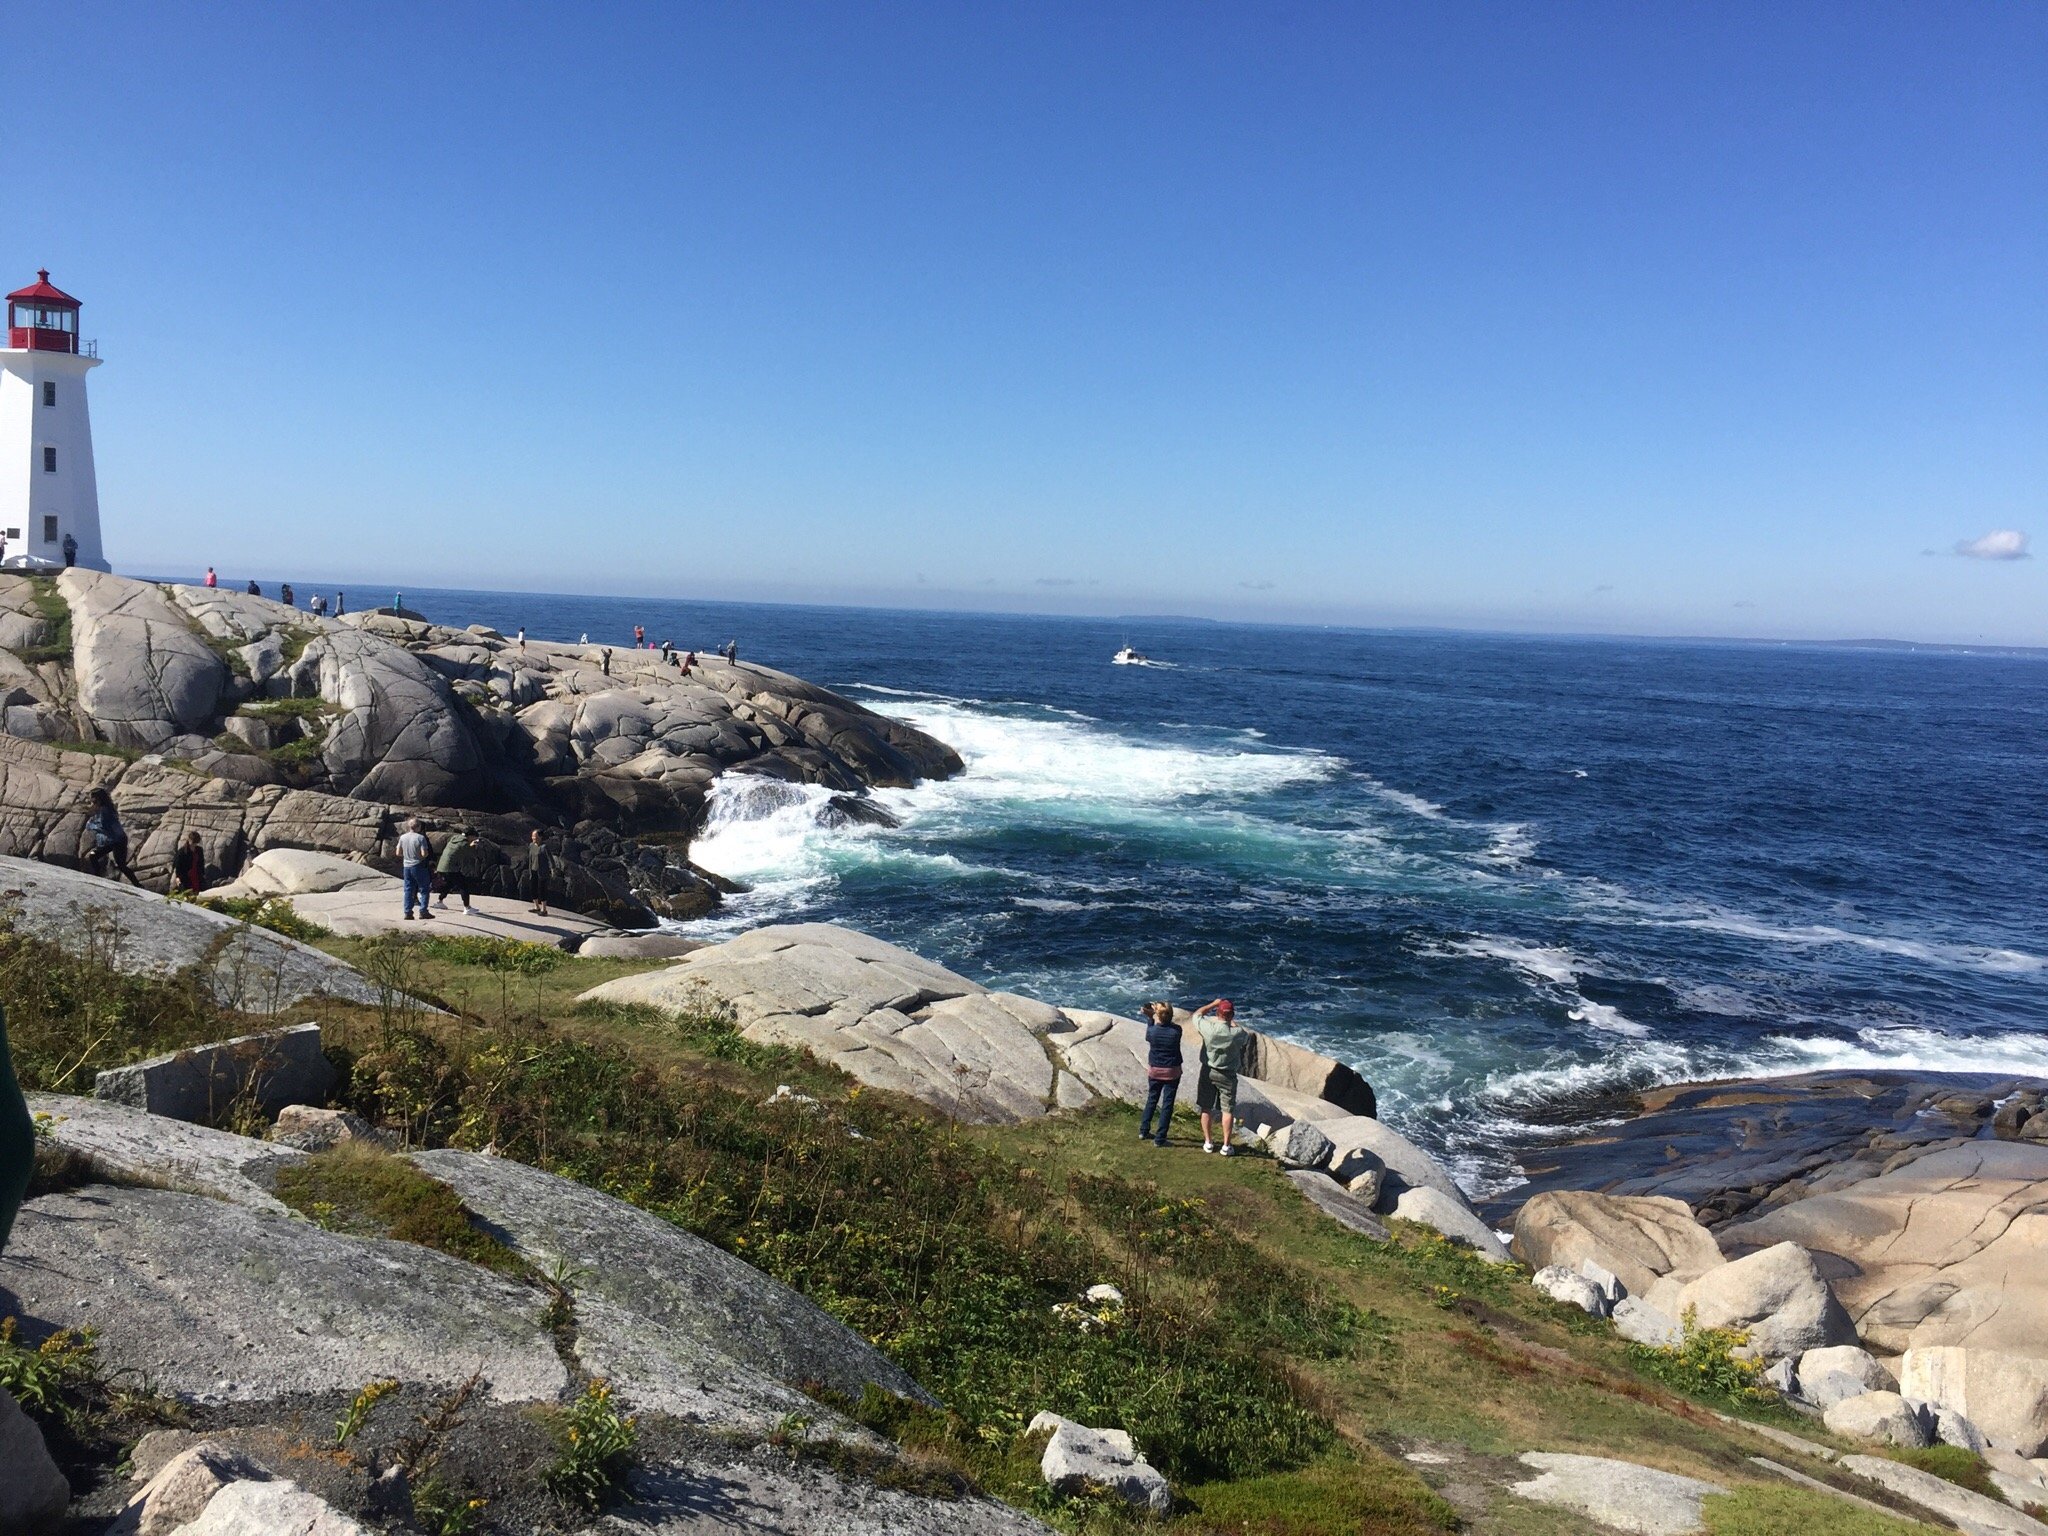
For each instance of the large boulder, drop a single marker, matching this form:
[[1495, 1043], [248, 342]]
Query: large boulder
[[178, 1492], [274, 1508], [1776, 1296], [1639, 1238], [125, 1145], [1949, 1247], [1968, 1511], [1300, 1145], [400, 736], [1357, 1141], [1884, 1417], [1572, 1288], [248, 969], [1454, 1219], [216, 1302], [143, 675], [33, 1493], [203, 1082], [1078, 1459], [294, 872], [705, 1309], [1828, 1376], [2004, 1395], [1619, 1494]]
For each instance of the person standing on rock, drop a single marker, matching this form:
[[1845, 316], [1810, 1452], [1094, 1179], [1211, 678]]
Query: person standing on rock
[[17, 1140], [414, 851], [188, 866], [284, 595], [732, 652], [319, 606], [340, 603], [639, 637], [1222, 1053], [70, 551], [607, 661], [454, 868], [1162, 1070], [522, 639], [538, 866], [109, 838]]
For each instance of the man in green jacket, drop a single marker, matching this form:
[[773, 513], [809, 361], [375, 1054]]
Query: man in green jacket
[[17, 1140], [1222, 1054]]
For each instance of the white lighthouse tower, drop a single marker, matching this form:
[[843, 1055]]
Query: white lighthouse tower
[[49, 496]]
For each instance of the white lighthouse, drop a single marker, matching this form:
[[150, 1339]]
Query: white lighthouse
[[49, 496]]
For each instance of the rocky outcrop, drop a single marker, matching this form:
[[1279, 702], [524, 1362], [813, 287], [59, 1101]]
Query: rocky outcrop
[[268, 727], [1640, 1239], [1949, 1246], [1776, 1296], [250, 970], [1969, 1512], [1621, 1495], [123, 1145], [1882, 1417], [33, 1493], [2004, 1395], [267, 1071], [897, 1021]]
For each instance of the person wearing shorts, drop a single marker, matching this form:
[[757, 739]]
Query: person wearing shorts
[[1222, 1054]]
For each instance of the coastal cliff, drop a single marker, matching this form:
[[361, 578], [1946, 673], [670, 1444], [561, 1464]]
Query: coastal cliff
[[262, 726]]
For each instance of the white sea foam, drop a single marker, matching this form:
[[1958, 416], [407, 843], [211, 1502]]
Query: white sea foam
[[1555, 974], [1905, 1049], [1429, 810], [1613, 906]]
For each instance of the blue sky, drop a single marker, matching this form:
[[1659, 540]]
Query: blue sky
[[1671, 319]]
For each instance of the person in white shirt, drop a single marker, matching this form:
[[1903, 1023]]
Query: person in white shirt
[[415, 854]]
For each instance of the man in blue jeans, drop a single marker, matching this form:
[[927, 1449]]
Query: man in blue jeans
[[415, 854]]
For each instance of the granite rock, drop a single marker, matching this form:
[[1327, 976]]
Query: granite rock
[[1884, 1417], [33, 1493], [203, 1082], [1619, 1494], [1639, 1238]]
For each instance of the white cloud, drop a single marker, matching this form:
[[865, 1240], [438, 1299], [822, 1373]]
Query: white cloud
[[2000, 544]]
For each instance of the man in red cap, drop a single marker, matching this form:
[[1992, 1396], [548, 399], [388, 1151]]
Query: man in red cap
[[1222, 1051]]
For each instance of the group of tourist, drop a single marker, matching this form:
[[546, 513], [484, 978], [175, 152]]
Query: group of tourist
[[316, 605], [1222, 1045], [429, 877]]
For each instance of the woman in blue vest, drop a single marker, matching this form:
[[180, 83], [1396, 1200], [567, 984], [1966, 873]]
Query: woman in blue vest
[[1162, 1069]]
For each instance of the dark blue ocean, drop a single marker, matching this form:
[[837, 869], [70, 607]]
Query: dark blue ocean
[[1498, 875]]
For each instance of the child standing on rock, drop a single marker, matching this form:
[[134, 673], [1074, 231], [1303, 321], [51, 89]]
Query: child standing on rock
[[1162, 1070]]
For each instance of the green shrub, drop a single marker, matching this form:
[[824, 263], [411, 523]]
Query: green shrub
[[712, 1028], [51, 1380], [596, 1451], [53, 608], [515, 955], [273, 912], [1704, 1366]]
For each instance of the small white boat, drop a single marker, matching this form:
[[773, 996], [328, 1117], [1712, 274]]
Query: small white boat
[[1127, 657]]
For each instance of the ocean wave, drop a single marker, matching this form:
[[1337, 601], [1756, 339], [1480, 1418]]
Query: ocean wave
[[1555, 974], [1904, 1049]]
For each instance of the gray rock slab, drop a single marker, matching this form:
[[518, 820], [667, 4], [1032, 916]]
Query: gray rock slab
[[1342, 1207], [201, 1082], [277, 1508], [122, 1145], [1407, 1165], [1971, 1513], [1815, 1485], [179, 1491], [2004, 1394], [1572, 1288], [33, 1493], [637, 946], [1300, 1145], [366, 910], [1639, 1500], [1454, 1219], [1640, 1323], [1776, 1296], [726, 1491], [1078, 1458], [1883, 1417], [215, 1302], [1639, 1238], [142, 674], [251, 970], [652, 1269]]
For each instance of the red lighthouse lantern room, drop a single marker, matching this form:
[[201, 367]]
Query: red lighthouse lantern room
[[41, 318]]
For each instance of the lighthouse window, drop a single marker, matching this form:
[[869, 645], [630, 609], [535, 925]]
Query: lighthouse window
[[49, 461], [50, 528], [49, 391]]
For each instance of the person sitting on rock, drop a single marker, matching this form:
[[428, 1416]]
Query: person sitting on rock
[[1162, 1069], [538, 866], [1222, 1053], [109, 838], [188, 866], [211, 579], [414, 854], [454, 868], [254, 590], [689, 661]]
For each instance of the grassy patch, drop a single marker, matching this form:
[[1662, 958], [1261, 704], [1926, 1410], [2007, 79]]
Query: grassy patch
[[74, 1010], [58, 612], [1952, 1463], [1774, 1511], [289, 709], [1342, 1495], [493, 954], [273, 912], [97, 749], [712, 1029], [365, 1191]]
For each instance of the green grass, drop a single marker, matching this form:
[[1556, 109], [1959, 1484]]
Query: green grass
[[366, 1191], [1952, 1463], [493, 954], [273, 912], [1341, 1495], [58, 612], [293, 709], [98, 749], [1766, 1510]]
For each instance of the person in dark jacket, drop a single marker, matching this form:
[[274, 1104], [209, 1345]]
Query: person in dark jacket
[[456, 869], [1162, 1069], [538, 866], [109, 837], [17, 1140], [188, 866]]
